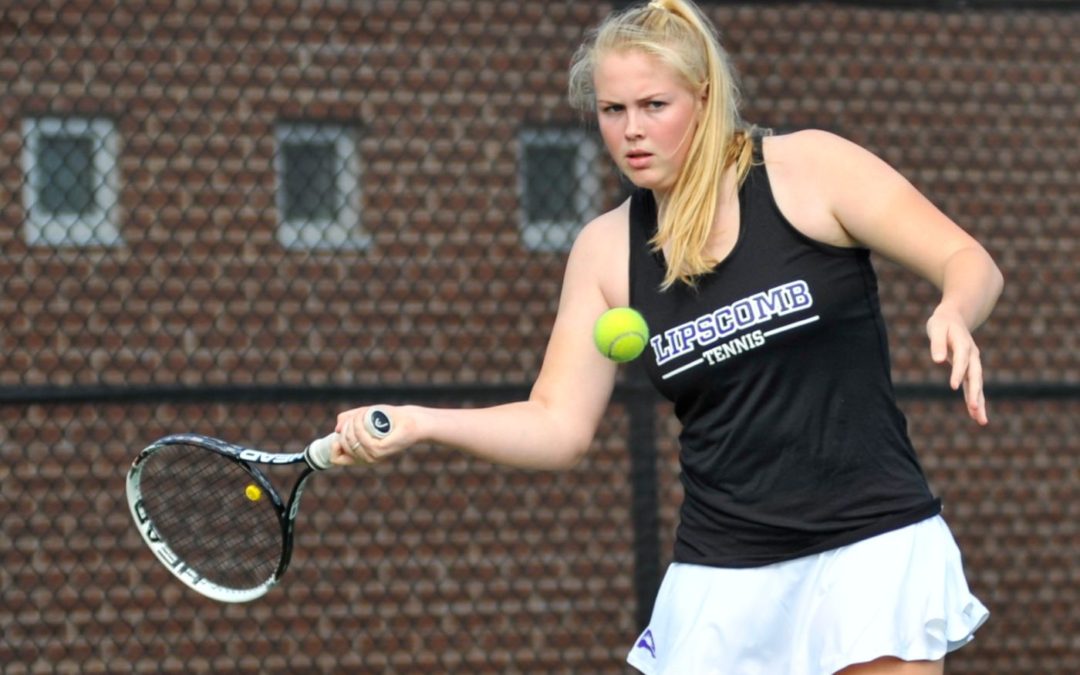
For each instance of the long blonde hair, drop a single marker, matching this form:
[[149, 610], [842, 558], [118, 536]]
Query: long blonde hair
[[678, 34]]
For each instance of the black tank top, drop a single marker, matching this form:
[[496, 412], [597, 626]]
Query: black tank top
[[777, 364]]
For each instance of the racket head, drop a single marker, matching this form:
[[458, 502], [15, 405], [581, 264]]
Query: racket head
[[211, 517]]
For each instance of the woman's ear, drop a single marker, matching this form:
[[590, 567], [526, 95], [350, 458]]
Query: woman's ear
[[701, 101]]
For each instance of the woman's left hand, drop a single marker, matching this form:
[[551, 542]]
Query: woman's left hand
[[951, 341]]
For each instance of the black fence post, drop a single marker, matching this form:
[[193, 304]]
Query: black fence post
[[645, 502]]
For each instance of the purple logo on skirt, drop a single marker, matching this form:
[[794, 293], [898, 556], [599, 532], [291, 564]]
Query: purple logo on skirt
[[646, 642]]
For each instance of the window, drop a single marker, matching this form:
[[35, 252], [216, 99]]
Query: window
[[318, 192], [558, 185], [71, 185]]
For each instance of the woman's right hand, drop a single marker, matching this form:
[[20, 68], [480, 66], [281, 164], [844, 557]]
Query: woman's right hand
[[357, 444]]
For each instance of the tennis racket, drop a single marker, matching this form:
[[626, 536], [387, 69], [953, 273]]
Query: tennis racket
[[213, 518]]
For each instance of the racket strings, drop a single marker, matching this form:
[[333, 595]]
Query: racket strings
[[213, 515]]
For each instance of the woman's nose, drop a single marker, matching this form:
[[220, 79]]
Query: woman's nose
[[633, 125]]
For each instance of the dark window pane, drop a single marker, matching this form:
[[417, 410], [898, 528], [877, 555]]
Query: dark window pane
[[310, 183], [67, 175], [550, 183]]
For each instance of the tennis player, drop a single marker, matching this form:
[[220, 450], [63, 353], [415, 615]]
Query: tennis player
[[809, 541]]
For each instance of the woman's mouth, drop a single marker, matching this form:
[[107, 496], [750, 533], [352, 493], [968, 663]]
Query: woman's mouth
[[636, 159]]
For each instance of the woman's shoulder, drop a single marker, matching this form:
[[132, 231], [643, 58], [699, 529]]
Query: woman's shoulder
[[810, 172], [601, 253], [605, 228], [807, 145], [818, 159]]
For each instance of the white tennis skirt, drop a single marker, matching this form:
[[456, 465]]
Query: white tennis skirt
[[901, 593]]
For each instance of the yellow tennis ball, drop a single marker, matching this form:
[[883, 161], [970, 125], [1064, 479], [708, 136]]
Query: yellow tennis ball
[[253, 492], [621, 334]]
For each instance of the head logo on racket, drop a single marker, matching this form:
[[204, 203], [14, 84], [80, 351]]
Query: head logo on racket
[[377, 422]]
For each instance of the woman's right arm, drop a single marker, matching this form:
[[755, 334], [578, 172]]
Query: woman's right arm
[[553, 428]]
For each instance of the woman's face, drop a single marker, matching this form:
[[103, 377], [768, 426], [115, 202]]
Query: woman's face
[[647, 116]]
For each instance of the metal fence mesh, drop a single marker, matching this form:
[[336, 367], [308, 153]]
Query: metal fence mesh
[[240, 217]]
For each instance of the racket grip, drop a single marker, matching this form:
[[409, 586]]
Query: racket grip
[[377, 422], [318, 453]]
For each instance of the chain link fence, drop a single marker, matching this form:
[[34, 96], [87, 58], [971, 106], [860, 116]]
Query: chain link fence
[[240, 217]]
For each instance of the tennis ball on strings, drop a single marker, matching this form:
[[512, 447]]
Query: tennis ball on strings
[[621, 334], [253, 492]]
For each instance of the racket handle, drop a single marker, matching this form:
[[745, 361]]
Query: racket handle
[[318, 453], [377, 422]]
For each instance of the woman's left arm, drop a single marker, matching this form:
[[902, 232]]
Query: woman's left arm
[[882, 210]]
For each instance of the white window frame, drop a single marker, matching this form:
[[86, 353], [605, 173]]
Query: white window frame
[[345, 231], [98, 227], [535, 235]]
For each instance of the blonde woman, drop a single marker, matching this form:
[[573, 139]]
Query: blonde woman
[[809, 541]]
